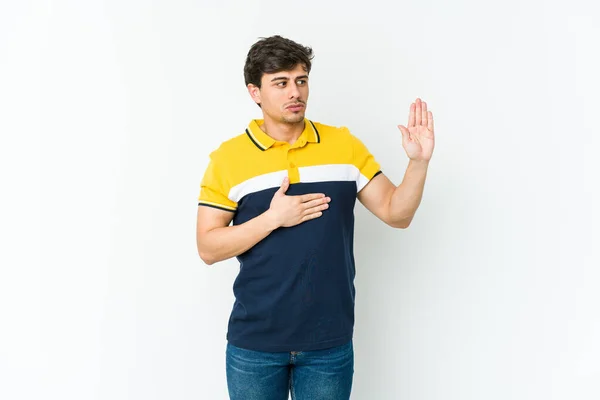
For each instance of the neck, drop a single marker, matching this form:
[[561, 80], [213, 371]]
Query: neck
[[282, 131]]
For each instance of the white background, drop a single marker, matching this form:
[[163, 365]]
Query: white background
[[109, 109]]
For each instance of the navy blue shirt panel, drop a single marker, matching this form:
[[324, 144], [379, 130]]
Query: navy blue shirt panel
[[295, 289]]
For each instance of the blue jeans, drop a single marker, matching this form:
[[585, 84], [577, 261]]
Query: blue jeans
[[307, 375]]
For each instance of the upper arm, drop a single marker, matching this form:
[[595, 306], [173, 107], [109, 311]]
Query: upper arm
[[210, 218], [215, 208], [375, 190], [376, 196], [373, 187]]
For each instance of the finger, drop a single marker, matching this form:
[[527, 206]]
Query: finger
[[405, 133], [284, 185], [316, 203], [319, 208], [311, 216], [311, 196], [418, 112], [424, 113], [411, 115], [430, 121]]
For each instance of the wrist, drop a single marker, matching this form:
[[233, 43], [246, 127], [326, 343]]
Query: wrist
[[419, 163], [270, 221]]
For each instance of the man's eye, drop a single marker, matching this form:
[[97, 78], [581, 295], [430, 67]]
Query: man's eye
[[282, 84], [301, 82]]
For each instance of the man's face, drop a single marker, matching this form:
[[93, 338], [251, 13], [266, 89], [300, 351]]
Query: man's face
[[283, 95]]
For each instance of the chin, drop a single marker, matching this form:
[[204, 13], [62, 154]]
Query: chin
[[293, 118]]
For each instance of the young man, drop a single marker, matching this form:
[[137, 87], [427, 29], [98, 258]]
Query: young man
[[289, 185]]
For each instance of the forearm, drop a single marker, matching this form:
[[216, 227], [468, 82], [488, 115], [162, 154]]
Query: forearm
[[226, 242], [407, 196]]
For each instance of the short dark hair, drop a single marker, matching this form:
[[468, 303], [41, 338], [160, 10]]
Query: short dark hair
[[274, 54]]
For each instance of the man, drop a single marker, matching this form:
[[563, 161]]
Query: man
[[289, 185]]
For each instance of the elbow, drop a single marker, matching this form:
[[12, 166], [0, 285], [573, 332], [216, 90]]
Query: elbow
[[210, 256], [400, 223], [206, 257]]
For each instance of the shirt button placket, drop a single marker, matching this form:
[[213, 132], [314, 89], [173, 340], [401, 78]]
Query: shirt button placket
[[292, 168]]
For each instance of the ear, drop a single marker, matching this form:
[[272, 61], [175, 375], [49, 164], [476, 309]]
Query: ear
[[254, 93]]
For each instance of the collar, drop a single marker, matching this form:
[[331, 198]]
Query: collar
[[264, 141]]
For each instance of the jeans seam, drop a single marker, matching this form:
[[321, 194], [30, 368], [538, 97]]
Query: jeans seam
[[292, 391]]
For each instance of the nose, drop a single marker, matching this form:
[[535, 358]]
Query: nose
[[294, 92]]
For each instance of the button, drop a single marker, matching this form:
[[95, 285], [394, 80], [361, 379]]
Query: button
[[292, 165]]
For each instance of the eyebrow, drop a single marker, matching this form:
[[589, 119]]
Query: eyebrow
[[283, 78]]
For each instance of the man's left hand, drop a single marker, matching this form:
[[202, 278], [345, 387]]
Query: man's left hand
[[418, 139]]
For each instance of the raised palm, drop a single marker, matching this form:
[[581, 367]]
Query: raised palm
[[418, 139]]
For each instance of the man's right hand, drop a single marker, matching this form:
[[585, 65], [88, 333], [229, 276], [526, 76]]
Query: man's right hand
[[217, 241], [288, 211]]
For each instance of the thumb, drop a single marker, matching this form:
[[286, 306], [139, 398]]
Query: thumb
[[405, 133], [284, 186]]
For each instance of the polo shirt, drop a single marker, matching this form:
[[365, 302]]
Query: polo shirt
[[295, 288]]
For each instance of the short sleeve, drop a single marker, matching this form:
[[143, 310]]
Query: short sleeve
[[365, 162], [214, 188]]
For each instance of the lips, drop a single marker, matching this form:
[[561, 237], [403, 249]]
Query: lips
[[295, 107]]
